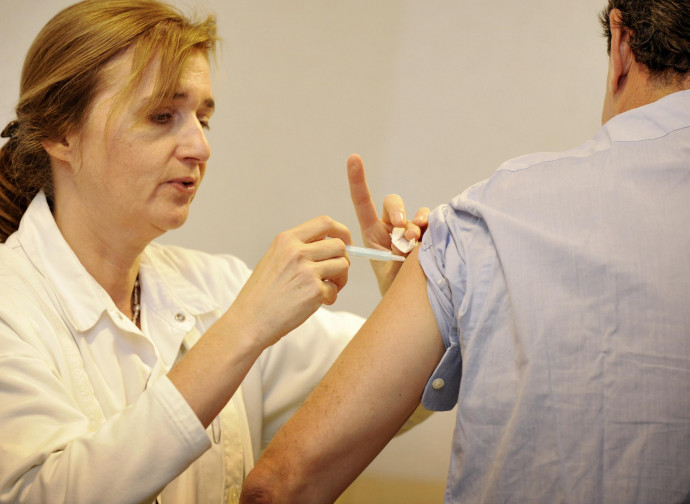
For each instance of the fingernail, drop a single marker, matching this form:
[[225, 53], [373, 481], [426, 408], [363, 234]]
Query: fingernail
[[399, 217]]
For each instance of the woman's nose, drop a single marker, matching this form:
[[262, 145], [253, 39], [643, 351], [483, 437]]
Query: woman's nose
[[193, 142]]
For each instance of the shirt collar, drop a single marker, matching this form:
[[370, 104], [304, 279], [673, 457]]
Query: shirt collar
[[654, 120]]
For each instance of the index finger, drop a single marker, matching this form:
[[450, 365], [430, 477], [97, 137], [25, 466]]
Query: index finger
[[319, 228], [359, 192]]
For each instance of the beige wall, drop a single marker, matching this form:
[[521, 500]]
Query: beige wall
[[434, 95]]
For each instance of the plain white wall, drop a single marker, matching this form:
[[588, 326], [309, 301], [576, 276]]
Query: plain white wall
[[433, 95]]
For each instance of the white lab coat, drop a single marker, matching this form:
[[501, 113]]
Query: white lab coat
[[87, 413]]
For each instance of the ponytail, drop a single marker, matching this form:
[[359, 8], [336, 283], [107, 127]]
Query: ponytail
[[10, 211], [24, 171]]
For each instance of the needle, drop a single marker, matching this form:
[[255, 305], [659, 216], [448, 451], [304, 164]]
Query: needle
[[373, 254]]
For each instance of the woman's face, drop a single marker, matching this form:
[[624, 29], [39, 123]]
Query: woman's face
[[139, 175]]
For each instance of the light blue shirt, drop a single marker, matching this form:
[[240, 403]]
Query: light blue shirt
[[561, 286]]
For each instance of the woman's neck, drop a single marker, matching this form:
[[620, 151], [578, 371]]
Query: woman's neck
[[112, 258]]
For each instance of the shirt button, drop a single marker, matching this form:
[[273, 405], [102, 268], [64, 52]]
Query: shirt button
[[119, 315], [234, 495], [438, 384], [180, 317]]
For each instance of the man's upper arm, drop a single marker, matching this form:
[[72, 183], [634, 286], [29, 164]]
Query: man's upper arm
[[362, 402]]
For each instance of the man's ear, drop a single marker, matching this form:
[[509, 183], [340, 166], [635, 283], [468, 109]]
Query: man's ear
[[622, 57]]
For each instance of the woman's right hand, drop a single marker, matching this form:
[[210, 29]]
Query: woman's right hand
[[300, 271]]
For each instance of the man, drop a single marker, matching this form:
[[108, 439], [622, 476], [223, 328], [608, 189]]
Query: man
[[550, 303]]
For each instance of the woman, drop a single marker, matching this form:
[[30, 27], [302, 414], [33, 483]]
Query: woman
[[121, 360]]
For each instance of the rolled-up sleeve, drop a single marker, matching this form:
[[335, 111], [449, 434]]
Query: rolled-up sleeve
[[442, 258]]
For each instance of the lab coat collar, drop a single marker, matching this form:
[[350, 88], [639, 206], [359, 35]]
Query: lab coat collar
[[167, 291], [81, 298]]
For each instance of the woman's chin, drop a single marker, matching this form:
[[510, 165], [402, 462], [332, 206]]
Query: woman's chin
[[175, 219]]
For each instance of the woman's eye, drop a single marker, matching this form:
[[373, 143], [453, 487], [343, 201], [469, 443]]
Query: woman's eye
[[161, 117], [204, 123]]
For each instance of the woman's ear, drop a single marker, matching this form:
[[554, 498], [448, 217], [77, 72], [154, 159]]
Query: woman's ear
[[61, 150]]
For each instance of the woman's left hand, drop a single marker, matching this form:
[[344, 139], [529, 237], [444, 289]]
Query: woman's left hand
[[376, 231]]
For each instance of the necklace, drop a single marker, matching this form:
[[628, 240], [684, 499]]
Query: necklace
[[136, 305]]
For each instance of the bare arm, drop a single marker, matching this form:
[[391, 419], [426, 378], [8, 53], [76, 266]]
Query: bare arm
[[362, 402]]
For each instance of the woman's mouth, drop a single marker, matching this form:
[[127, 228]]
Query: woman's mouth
[[185, 184]]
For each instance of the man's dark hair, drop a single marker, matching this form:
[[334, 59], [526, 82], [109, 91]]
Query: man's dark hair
[[659, 33]]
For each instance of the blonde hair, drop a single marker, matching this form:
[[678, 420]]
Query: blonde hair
[[61, 77]]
